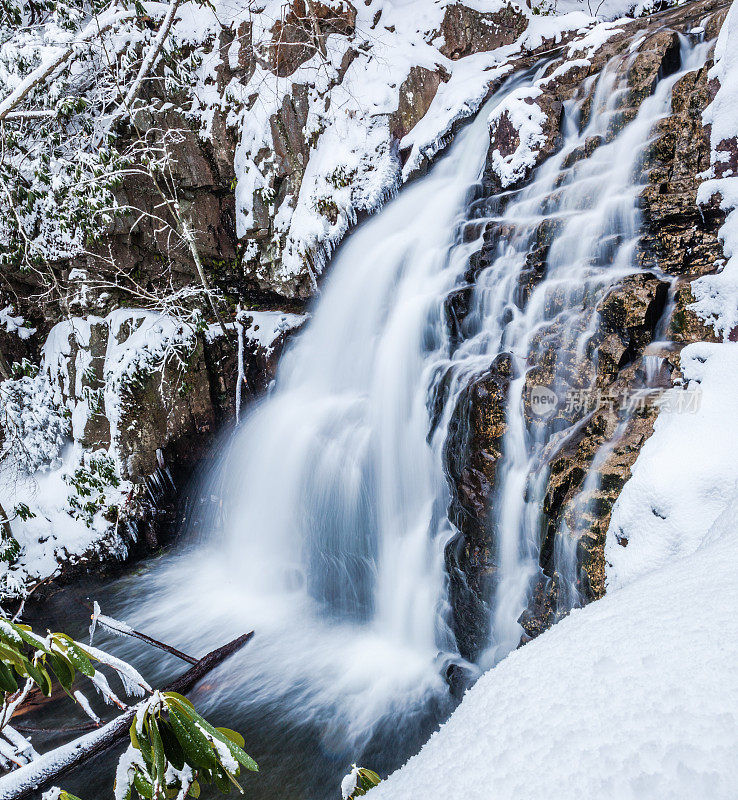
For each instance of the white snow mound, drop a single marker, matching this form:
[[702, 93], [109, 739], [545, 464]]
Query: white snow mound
[[632, 697]]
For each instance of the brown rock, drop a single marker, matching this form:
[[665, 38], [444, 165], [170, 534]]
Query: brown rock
[[416, 94], [302, 31], [466, 30]]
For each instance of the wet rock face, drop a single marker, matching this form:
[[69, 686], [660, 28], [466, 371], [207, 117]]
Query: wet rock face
[[628, 318], [473, 448], [679, 241], [467, 31]]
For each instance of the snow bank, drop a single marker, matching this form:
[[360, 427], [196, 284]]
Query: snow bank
[[53, 535], [717, 295], [685, 474], [632, 697]]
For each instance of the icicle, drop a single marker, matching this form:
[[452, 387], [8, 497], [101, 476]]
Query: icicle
[[240, 379]]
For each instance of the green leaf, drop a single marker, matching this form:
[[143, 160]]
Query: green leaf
[[194, 790], [10, 655], [134, 736], [46, 688], [234, 736], [39, 678], [243, 758], [172, 748], [25, 632], [221, 780], [180, 698], [143, 786], [63, 670], [7, 681], [160, 761], [145, 748], [196, 747], [78, 658]]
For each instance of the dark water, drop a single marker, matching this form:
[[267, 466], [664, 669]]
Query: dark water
[[296, 760]]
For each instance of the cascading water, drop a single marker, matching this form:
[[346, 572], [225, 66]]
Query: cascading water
[[330, 542], [590, 207], [334, 516]]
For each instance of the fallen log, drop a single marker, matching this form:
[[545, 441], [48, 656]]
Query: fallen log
[[31, 778]]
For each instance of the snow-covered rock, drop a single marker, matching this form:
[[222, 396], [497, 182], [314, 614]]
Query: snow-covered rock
[[716, 295]]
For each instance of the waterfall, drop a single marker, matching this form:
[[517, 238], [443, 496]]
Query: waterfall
[[330, 539], [334, 519], [591, 206]]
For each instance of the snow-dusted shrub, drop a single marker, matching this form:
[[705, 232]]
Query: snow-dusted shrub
[[34, 428], [90, 484]]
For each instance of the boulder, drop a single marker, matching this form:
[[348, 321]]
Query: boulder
[[466, 30]]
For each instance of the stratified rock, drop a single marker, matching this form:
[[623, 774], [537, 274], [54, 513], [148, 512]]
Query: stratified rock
[[681, 237], [467, 30], [473, 448], [628, 317]]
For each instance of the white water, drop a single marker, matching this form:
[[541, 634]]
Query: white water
[[594, 204], [334, 496], [334, 517]]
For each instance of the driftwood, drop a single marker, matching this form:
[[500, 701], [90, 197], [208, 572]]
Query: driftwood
[[39, 773]]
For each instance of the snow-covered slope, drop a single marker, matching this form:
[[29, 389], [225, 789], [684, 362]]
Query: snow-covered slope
[[634, 696], [686, 473]]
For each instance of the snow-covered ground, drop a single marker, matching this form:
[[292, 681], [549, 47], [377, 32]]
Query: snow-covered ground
[[634, 696]]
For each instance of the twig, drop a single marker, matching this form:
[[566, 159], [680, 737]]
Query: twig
[[108, 622]]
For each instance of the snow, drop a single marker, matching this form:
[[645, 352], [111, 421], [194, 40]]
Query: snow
[[685, 473], [263, 328], [15, 324], [716, 295], [520, 109], [349, 783], [129, 762], [133, 682], [632, 697], [86, 707], [52, 535], [139, 341], [109, 623]]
